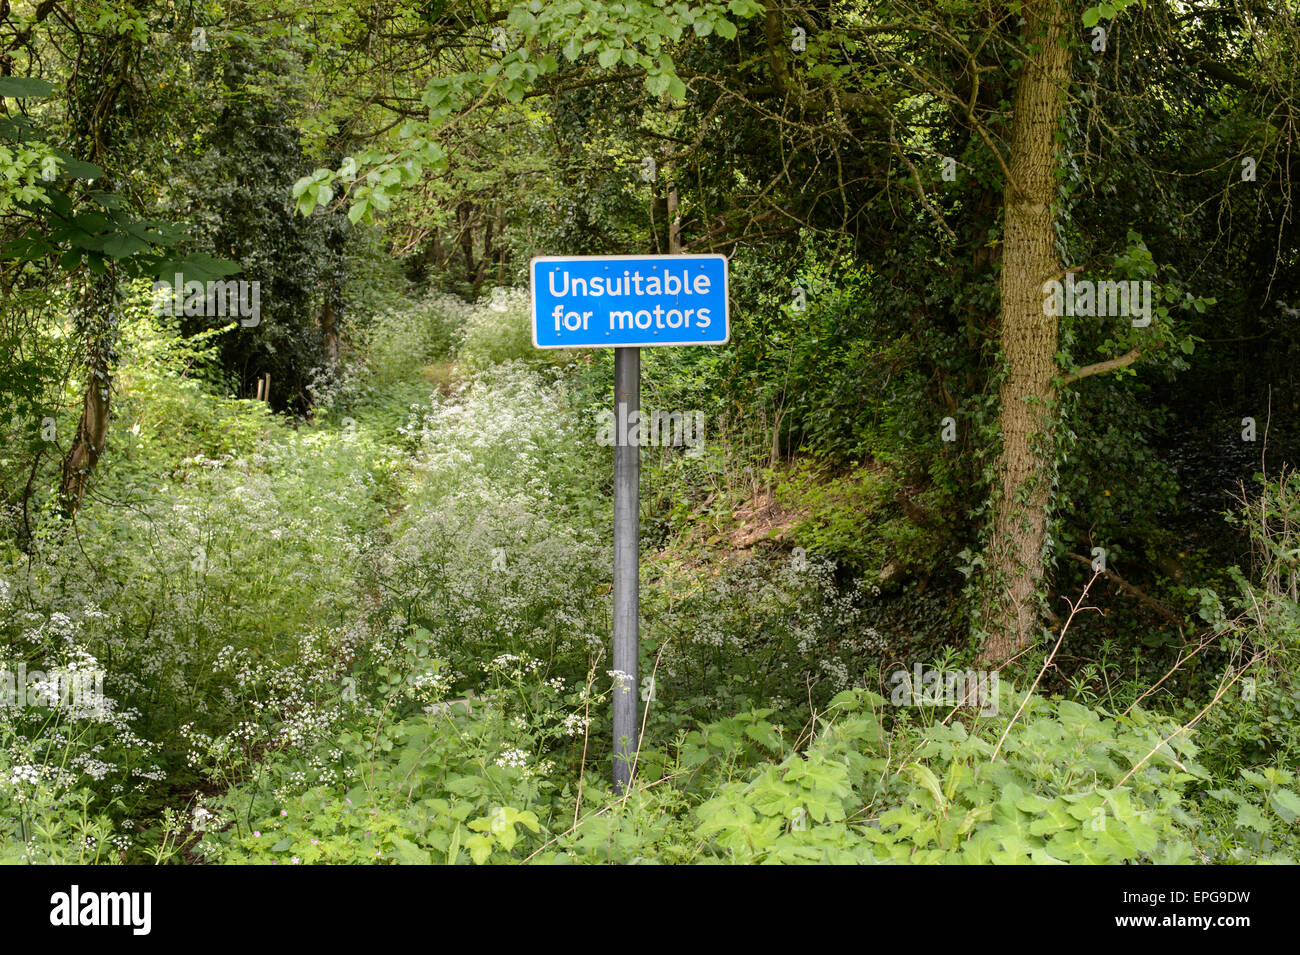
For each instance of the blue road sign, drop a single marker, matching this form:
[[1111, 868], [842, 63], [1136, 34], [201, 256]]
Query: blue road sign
[[604, 301]]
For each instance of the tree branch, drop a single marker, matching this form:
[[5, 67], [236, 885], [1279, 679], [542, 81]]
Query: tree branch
[[1136, 593], [1101, 367]]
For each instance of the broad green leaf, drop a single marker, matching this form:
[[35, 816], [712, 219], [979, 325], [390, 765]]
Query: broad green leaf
[[24, 86]]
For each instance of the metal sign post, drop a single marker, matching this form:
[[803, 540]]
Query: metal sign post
[[628, 302], [627, 580]]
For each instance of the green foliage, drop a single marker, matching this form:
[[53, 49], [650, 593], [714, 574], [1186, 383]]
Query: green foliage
[[1258, 722], [1056, 794], [378, 631], [633, 34], [497, 329], [426, 790], [401, 340], [438, 693], [424, 796], [251, 150], [58, 831], [857, 518], [1258, 821], [1107, 11], [75, 224]]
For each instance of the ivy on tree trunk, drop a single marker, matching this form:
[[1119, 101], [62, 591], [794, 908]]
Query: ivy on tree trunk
[[1015, 560]]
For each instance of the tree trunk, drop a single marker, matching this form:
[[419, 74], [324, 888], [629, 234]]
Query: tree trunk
[[93, 93], [674, 223], [465, 218], [503, 251], [96, 324], [1013, 570], [329, 326]]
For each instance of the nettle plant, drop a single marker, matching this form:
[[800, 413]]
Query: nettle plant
[[1257, 821], [1060, 784], [1254, 723]]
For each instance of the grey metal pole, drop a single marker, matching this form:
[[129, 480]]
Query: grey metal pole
[[627, 533]]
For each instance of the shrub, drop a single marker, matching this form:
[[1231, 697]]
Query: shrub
[[497, 329], [1057, 793]]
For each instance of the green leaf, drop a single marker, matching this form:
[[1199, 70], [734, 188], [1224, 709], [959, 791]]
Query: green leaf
[[24, 86], [78, 169], [1249, 817], [119, 246], [480, 847], [92, 222], [931, 782], [27, 247], [408, 853], [109, 200], [1287, 804], [198, 267]]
